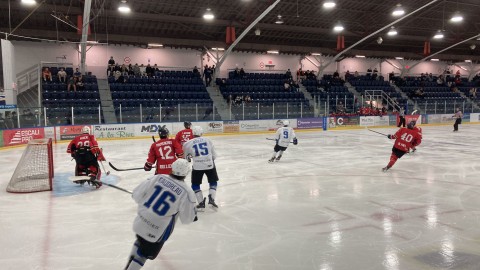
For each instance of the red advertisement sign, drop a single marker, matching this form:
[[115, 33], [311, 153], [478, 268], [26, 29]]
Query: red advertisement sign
[[69, 132], [22, 136]]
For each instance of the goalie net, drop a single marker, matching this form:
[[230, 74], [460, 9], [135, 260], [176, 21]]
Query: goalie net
[[34, 171]]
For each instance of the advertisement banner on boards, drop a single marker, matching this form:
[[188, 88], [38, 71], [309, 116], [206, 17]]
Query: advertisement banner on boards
[[382, 120], [22, 136], [214, 127], [151, 129], [258, 125], [475, 117], [305, 123], [1, 138], [347, 121], [69, 132], [367, 121], [113, 131], [231, 126], [417, 118]]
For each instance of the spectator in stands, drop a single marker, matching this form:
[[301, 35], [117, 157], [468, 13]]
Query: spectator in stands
[[454, 89], [419, 93], [430, 77], [168, 113], [458, 80], [156, 71], [440, 80], [288, 74], [71, 84], [62, 75], [336, 75], [375, 74], [77, 74], [458, 73], [473, 92], [195, 71], [208, 111], [208, 75], [369, 72], [124, 70], [149, 70], [300, 75], [143, 70], [236, 73], [247, 99], [356, 74], [117, 74], [136, 70], [340, 107], [238, 100], [286, 85], [2, 121], [79, 84], [347, 75], [46, 74], [242, 73], [391, 75], [111, 62]]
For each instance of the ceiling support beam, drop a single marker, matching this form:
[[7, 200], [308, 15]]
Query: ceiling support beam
[[320, 71], [448, 48], [83, 43], [26, 18], [244, 33]]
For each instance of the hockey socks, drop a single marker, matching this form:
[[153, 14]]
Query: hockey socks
[[136, 260], [213, 190], [393, 159]]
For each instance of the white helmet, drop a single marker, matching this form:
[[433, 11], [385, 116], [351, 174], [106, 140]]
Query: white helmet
[[286, 123], [197, 131], [86, 129], [180, 167]]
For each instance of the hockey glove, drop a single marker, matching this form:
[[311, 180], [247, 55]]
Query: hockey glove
[[389, 136], [189, 158], [295, 141], [148, 166]]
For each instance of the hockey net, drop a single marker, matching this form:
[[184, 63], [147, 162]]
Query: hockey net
[[34, 171]]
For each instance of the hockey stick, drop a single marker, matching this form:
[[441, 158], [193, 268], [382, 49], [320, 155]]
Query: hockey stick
[[378, 132], [273, 139], [129, 169], [87, 179], [103, 167], [153, 138]]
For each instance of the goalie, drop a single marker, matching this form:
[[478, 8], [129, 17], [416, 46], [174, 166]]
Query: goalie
[[84, 149]]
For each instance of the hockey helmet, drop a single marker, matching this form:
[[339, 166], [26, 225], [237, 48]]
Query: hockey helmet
[[86, 130], [163, 132], [180, 167], [286, 123], [187, 124], [411, 124], [197, 131]]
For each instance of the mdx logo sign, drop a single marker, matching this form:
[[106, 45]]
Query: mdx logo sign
[[151, 128]]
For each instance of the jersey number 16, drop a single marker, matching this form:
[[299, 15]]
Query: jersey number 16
[[162, 205]]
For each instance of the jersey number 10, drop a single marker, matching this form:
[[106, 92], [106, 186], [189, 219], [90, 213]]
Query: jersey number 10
[[162, 204]]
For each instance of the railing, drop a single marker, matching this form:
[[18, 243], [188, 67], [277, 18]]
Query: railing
[[375, 95]]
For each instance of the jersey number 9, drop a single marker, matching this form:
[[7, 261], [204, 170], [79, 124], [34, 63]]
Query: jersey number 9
[[162, 205], [285, 134]]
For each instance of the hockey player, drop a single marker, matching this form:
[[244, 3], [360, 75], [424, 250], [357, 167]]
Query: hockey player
[[84, 149], [283, 137], [203, 153], [405, 139], [184, 135], [161, 200], [163, 152], [458, 119], [419, 130]]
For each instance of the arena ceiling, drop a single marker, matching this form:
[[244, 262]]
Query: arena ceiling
[[307, 25]]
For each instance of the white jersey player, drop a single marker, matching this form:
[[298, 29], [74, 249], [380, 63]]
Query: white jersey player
[[203, 153], [161, 200], [283, 137]]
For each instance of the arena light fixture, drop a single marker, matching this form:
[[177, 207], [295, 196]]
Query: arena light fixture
[[208, 15], [398, 11], [360, 56], [279, 19], [328, 4], [392, 32], [457, 17], [316, 54], [218, 49], [438, 35], [434, 59], [338, 28], [29, 2], [399, 58], [468, 61], [123, 7], [155, 45], [272, 52]]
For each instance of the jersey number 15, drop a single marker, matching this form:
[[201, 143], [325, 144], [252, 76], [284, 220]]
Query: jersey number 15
[[201, 149]]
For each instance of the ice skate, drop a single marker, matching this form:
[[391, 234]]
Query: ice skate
[[201, 205], [278, 158], [271, 160], [211, 202], [385, 169]]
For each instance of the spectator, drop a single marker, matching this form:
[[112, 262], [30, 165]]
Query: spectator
[[247, 99], [336, 75], [77, 74], [168, 113], [242, 73], [14, 119], [347, 75], [286, 85], [195, 71], [136, 70], [79, 83], [391, 75], [130, 70], [288, 74], [440, 80], [62, 75], [355, 74], [454, 89], [149, 70], [340, 107], [300, 75], [111, 62], [473, 92], [143, 70], [124, 70], [208, 111], [236, 73], [46, 74], [71, 83], [2, 121], [117, 76], [375, 73], [369, 72]]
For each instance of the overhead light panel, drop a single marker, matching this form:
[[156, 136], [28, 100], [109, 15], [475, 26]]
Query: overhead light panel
[[316, 54], [434, 59], [468, 61], [399, 58], [457, 17], [329, 4], [157, 45], [272, 52], [398, 11], [360, 56], [123, 7], [208, 15], [438, 35], [29, 2], [279, 19], [392, 32], [218, 49], [338, 27]]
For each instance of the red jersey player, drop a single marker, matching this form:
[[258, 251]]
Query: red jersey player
[[84, 148], [405, 139], [184, 135], [163, 152]]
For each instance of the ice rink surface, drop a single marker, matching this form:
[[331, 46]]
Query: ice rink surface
[[325, 206]]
